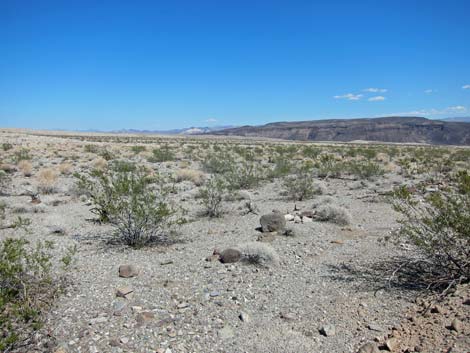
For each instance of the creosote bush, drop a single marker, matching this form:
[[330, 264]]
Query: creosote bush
[[130, 200], [162, 154], [212, 195], [438, 227], [301, 186], [27, 288]]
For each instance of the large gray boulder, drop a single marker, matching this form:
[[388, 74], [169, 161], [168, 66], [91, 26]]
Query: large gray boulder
[[273, 222]]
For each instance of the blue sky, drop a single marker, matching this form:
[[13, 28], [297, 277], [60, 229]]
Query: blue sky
[[169, 64]]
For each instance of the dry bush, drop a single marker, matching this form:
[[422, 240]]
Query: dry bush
[[259, 253], [333, 214], [195, 176], [99, 163], [47, 179], [65, 168], [25, 167]]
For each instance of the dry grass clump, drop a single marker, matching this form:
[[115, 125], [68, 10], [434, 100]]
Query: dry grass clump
[[259, 254], [195, 176], [100, 163], [333, 214], [47, 179], [25, 167], [65, 168]]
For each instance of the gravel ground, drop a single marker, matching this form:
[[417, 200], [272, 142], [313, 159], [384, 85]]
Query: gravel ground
[[181, 302]]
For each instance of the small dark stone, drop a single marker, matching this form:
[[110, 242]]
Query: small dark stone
[[230, 255], [128, 271]]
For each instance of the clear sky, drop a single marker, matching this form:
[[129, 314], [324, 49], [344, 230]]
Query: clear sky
[[168, 64]]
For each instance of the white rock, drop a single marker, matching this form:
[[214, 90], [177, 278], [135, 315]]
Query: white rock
[[289, 217]]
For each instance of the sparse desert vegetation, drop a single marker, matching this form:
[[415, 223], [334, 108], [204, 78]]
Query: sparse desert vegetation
[[198, 244]]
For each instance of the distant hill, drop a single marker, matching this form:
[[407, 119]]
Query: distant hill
[[386, 129], [464, 119], [184, 131]]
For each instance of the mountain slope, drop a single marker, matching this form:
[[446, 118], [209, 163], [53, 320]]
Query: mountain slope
[[387, 129]]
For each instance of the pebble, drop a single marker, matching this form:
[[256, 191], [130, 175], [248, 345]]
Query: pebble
[[375, 327], [328, 330], [368, 348], [124, 292], [456, 325], [128, 271], [243, 316]]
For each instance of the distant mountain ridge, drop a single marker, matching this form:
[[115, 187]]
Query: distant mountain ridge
[[184, 131], [464, 119], [397, 129]]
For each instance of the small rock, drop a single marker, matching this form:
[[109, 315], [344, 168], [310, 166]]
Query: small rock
[[328, 330], [392, 344], [369, 348], [289, 232], [144, 317], [124, 292], [288, 217], [375, 327], [114, 342], [297, 219], [307, 220], [60, 350], [136, 309], [287, 316], [98, 320], [244, 317], [272, 222], [124, 340], [182, 305], [128, 271], [230, 255], [213, 257], [456, 325], [267, 237], [118, 307]]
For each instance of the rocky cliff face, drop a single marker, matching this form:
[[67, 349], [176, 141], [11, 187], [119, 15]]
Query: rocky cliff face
[[388, 129]]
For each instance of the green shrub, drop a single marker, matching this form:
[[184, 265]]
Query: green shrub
[[301, 185], [27, 289], [122, 166], [107, 155], [91, 148], [4, 180], [311, 152], [135, 204], [162, 154], [438, 227], [328, 166], [7, 146], [282, 167], [218, 163], [244, 175], [212, 195], [364, 169], [138, 149], [21, 155]]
